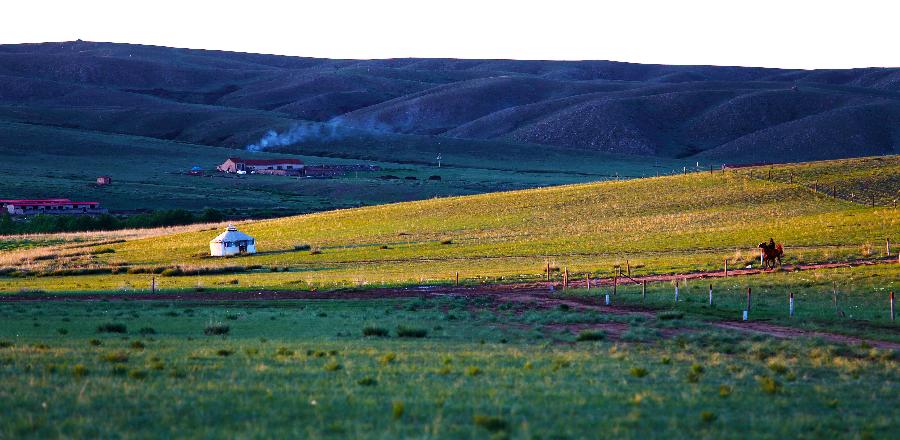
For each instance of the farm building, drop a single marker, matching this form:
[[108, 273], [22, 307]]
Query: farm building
[[104, 180], [51, 206], [232, 242], [262, 166]]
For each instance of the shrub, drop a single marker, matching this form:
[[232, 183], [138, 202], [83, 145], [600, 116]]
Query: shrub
[[283, 351], [669, 315], [367, 382], [251, 351], [332, 365], [707, 417], [217, 328], [116, 357], [137, 345], [693, 377], [95, 342], [768, 384], [725, 390], [397, 409], [590, 335], [111, 327], [491, 423], [410, 332], [374, 331], [157, 365], [225, 353], [473, 371], [137, 374], [79, 371], [697, 368], [171, 272], [388, 358], [447, 241], [5, 344], [665, 360], [119, 370], [147, 331], [638, 371], [777, 367], [559, 363], [231, 317], [62, 331], [302, 247]]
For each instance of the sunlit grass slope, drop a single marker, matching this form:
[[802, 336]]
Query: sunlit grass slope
[[659, 225]]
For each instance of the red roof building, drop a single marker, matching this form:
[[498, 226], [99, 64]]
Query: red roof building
[[50, 206], [261, 166]]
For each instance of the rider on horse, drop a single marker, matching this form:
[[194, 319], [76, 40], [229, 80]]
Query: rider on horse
[[772, 253]]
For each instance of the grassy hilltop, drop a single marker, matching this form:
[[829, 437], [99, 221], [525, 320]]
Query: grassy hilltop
[[671, 224]]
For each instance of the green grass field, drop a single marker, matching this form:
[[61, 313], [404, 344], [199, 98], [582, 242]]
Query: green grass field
[[305, 369], [152, 173], [671, 224]]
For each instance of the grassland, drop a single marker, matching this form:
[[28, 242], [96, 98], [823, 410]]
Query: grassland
[[671, 224], [151, 173], [482, 370], [508, 364]]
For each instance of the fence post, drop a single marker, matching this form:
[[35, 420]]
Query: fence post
[[791, 306], [760, 257], [676, 290], [816, 186], [457, 279], [587, 279], [153, 285], [726, 268], [566, 279], [615, 280], [887, 246], [710, 294], [748, 300], [892, 305], [628, 267], [643, 290]]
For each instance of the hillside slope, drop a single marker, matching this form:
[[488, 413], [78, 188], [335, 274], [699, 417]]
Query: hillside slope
[[718, 114], [667, 224]]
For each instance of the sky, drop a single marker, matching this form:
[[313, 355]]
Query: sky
[[764, 33]]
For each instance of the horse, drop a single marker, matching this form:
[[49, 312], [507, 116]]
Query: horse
[[771, 255]]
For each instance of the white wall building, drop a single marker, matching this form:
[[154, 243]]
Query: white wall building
[[232, 242]]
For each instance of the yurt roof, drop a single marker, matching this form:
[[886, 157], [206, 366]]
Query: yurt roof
[[231, 234]]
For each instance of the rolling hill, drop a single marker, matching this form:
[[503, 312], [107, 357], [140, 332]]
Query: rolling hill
[[707, 113], [660, 225]]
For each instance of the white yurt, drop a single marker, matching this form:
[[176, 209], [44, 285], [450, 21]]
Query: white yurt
[[232, 242]]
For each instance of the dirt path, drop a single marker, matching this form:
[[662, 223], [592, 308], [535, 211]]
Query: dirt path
[[541, 294], [773, 330]]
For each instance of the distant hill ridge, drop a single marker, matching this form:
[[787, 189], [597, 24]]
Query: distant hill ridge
[[725, 114]]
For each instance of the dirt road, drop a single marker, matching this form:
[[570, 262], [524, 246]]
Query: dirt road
[[541, 294]]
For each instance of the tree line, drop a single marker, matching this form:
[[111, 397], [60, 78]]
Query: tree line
[[41, 224]]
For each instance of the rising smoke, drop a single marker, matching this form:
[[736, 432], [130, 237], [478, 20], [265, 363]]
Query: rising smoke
[[305, 131]]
